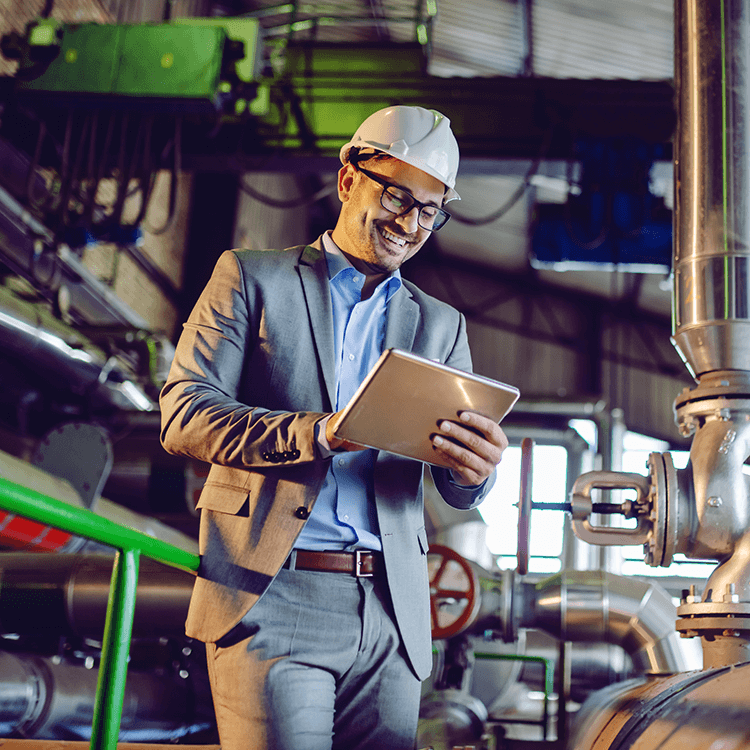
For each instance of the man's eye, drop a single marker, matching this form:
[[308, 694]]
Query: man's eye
[[429, 211], [398, 199]]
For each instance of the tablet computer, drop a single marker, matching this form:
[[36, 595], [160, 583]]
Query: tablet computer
[[404, 397]]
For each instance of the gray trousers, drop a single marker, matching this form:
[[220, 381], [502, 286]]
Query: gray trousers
[[317, 664]]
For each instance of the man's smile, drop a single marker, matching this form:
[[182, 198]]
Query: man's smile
[[395, 239]]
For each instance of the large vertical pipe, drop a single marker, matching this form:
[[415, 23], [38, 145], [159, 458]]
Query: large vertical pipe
[[711, 308]]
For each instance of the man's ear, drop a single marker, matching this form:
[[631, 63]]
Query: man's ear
[[346, 182]]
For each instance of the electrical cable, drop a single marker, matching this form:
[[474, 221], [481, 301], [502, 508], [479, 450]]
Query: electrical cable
[[66, 188], [173, 182], [31, 174], [303, 200], [517, 193], [64, 158], [99, 174], [570, 231], [146, 178]]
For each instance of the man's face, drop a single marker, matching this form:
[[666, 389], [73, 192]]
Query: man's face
[[377, 241]]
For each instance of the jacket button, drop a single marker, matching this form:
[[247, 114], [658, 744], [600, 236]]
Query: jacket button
[[302, 512]]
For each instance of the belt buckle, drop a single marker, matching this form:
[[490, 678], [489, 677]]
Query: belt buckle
[[358, 565]]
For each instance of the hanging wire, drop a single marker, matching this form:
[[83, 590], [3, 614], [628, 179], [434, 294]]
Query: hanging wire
[[518, 193], [174, 179], [31, 174], [303, 200], [570, 229]]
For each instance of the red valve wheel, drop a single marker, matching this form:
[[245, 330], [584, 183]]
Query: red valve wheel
[[524, 507], [454, 592]]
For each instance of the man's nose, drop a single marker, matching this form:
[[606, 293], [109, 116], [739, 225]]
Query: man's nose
[[409, 220]]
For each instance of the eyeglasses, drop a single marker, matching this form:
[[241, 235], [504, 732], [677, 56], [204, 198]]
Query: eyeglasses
[[400, 202]]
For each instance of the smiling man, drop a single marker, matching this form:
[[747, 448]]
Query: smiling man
[[312, 596]]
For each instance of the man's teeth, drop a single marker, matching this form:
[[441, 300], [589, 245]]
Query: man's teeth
[[400, 241]]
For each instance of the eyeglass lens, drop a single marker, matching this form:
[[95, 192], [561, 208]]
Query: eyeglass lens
[[398, 202]]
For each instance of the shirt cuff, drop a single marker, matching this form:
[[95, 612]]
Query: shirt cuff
[[320, 437], [468, 487]]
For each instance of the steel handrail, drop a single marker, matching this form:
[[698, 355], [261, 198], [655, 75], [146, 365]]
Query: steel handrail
[[118, 626]]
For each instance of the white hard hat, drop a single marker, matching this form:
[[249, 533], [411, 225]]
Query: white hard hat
[[417, 136]]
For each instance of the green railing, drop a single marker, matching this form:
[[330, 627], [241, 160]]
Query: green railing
[[118, 626]]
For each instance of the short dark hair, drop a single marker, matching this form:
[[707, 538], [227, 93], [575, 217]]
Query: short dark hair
[[358, 156]]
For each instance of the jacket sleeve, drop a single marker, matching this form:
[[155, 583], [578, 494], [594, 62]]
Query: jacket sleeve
[[201, 414], [463, 498]]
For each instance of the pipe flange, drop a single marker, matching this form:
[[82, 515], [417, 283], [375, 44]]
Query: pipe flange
[[657, 497], [690, 415], [672, 504], [690, 627], [714, 609], [721, 383]]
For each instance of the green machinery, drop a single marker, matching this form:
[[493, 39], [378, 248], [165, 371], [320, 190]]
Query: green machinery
[[198, 64]]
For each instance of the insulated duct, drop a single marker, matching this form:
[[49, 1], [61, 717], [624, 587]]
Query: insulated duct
[[67, 358], [598, 607], [48, 699], [67, 594]]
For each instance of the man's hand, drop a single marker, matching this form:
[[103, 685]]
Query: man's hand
[[483, 445], [337, 444]]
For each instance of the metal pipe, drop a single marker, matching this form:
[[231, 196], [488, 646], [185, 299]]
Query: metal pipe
[[711, 302], [597, 606], [43, 698], [67, 594], [68, 357]]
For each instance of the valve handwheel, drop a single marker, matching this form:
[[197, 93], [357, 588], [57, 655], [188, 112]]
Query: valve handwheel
[[524, 507], [454, 591]]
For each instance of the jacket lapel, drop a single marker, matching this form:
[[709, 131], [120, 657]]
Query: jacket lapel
[[313, 273], [403, 317]]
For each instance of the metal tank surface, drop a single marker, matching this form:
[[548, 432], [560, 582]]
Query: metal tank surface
[[704, 710]]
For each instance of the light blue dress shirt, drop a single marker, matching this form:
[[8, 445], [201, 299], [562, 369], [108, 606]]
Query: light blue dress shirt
[[344, 515]]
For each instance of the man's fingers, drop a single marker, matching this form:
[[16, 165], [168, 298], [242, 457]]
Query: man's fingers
[[472, 447]]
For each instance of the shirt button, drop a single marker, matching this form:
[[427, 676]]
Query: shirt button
[[342, 461], [351, 357]]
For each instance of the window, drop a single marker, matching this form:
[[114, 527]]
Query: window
[[500, 511]]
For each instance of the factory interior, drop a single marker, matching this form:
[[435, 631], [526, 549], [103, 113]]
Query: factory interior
[[600, 253]]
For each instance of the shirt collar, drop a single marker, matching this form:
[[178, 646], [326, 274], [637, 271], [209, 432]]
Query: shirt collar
[[338, 262]]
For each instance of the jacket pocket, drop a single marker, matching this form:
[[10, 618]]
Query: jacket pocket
[[422, 538], [223, 498]]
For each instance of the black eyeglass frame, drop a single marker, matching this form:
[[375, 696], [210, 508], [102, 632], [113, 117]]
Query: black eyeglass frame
[[414, 202]]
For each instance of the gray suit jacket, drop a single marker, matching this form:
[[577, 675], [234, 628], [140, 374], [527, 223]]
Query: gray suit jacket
[[252, 375]]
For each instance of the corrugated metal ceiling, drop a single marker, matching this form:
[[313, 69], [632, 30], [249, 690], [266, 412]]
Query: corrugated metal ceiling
[[631, 39]]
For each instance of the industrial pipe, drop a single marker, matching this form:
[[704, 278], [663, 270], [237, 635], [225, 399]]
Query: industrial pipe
[[598, 607], [46, 699]]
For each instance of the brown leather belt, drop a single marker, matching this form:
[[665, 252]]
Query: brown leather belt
[[360, 563]]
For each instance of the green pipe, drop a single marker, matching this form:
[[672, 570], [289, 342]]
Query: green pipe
[[113, 669], [548, 677], [28, 503]]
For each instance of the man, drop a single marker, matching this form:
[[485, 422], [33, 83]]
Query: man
[[312, 595]]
